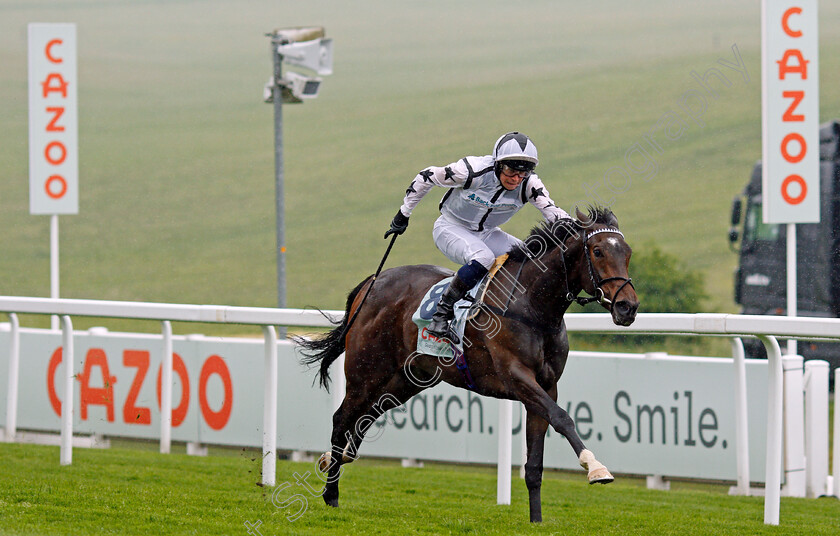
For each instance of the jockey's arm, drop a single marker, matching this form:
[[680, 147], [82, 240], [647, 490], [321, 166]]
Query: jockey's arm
[[451, 176], [539, 197]]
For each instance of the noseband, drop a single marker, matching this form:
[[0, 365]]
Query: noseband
[[597, 282]]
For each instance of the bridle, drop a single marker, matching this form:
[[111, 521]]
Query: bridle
[[597, 281]]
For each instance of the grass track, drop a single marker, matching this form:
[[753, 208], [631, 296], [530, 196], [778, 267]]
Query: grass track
[[131, 491]]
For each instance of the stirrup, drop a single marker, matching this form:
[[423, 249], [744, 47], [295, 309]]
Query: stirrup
[[448, 333]]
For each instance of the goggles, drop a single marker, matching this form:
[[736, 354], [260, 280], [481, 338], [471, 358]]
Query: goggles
[[519, 168]]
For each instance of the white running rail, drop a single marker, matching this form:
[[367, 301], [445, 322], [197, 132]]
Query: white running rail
[[765, 328]]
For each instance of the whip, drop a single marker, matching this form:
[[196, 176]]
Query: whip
[[381, 264]]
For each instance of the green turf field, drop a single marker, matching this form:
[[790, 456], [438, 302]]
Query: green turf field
[[176, 145], [130, 491]]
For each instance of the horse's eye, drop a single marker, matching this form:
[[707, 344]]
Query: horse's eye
[[597, 252]]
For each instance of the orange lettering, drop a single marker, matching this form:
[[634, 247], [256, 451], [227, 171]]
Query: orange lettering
[[98, 396], [803, 189], [803, 148], [48, 51], [48, 150], [62, 187], [131, 413], [785, 27], [801, 66], [215, 419], [55, 361], [789, 115], [57, 112], [60, 85]]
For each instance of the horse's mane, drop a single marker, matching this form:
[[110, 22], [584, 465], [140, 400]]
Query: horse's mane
[[553, 233]]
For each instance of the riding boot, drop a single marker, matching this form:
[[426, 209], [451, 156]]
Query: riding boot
[[444, 312]]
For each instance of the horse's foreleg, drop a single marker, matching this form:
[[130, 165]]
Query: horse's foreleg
[[544, 404], [597, 473], [535, 428]]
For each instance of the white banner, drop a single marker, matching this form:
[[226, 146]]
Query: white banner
[[790, 112], [663, 415], [53, 120]]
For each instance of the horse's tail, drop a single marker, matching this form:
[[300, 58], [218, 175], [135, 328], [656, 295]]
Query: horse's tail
[[328, 348]]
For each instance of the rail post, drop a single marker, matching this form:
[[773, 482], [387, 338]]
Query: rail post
[[14, 371], [775, 395], [166, 390], [742, 452], [816, 428], [269, 461], [503, 469], [794, 428], [66, 452]]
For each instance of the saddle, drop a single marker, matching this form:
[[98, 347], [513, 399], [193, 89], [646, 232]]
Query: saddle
[[481, 291], [465, 310]]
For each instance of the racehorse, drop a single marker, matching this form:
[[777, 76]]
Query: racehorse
[[517, 348]]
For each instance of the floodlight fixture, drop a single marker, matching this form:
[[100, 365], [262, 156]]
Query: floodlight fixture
[[306, 48], [315, 55]]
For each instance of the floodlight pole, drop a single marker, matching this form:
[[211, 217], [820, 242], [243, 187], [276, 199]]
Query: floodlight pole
[[278, 180], [315, 54]]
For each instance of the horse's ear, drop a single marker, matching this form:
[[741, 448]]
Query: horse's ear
[[583, 219], [612, 220]]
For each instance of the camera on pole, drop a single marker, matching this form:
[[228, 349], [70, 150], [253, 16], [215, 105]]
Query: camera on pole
[[304, 48]]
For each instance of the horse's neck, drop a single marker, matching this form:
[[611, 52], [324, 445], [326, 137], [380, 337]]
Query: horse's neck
[[546, 282]]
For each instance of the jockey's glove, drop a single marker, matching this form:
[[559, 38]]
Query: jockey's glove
[[398, 225]]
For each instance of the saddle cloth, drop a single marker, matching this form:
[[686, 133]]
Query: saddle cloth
[[465, 309], [422, 317]]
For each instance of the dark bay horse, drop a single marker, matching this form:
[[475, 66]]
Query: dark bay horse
[[517, 348]]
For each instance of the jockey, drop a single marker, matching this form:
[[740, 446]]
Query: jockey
[[483, 193]]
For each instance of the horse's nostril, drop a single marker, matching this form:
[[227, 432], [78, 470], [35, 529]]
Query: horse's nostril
[[624, 308]]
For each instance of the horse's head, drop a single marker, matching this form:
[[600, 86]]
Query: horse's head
[[604, 273]]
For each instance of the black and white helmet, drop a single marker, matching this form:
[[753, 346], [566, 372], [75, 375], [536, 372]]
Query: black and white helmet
[[515, 146]]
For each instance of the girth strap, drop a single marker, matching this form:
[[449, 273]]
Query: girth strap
[[462, 366]]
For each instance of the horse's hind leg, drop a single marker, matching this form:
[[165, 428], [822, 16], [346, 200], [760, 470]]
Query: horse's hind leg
[[353, 419], [344, 445], [535, 428]]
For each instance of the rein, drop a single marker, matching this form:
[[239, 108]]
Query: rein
[[597, 282]]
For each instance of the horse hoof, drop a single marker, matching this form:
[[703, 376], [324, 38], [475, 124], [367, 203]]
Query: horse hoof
[[331, 502], [324, 464], [597, 472], [600, 476]]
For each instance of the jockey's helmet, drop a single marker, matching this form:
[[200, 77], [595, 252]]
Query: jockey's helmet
[[517, 147]]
